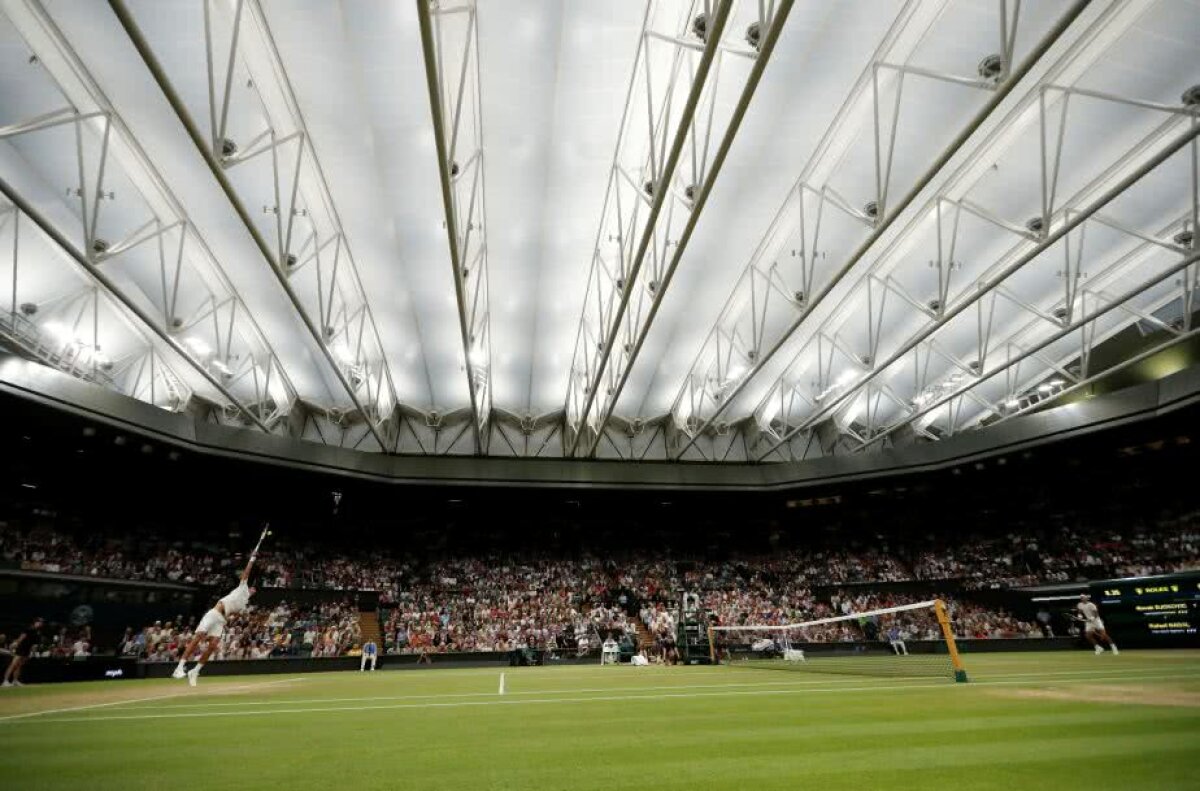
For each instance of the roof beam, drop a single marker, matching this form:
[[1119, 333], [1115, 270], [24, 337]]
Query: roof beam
[[1103, 303], [767, 47], [102, 280], [215, 166], [1073, 221], [588, 367], [121, 154], [887, 215], [451, 81]]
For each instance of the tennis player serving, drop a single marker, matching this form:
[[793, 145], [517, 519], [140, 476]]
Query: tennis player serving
[[212, 625]]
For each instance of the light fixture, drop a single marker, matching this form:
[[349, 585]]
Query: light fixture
[[477, 357], [58, 330], [1012, 403], [991, 68], [846, 378], [343, 353], [1046, 388], [197, 345]]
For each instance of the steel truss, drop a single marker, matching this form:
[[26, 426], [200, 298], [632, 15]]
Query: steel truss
[[658, 186], [1081, 311], [261, 154], [773, 299], [450, 38], [67, 333], [1077, 309], [881, 307], [136, 253]]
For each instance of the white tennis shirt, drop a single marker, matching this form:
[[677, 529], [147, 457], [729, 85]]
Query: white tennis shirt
[[237, 600]]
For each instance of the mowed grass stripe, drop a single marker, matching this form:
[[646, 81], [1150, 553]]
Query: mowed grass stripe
[[941, 736], [833, 682], [496, 700], [86, 695]]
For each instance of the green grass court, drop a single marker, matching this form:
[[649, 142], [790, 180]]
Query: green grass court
[[1026, 721]]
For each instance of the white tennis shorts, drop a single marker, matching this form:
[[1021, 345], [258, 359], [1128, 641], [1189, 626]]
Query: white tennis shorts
[[212, 624], [1094, 626]]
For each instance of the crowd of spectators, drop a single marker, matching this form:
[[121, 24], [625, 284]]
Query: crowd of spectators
[[135, 557], [500, 602], [1059, 554], [493, 603], [1062, 554], [967, 618], [44, 549], [863, 623], [282, 630]]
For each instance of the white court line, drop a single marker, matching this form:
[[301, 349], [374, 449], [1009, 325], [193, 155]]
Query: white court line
[[833, 683], [495, 701], [135, 700], [592, 671], [501, 692], [90, 706]]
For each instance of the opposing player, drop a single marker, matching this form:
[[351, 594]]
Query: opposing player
[[24, 647], [212, 625], [1093, 627]]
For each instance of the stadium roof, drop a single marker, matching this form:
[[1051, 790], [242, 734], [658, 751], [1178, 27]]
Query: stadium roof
[[707, 230]]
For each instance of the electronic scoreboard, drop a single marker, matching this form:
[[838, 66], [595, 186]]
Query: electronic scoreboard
[[1163, 610]]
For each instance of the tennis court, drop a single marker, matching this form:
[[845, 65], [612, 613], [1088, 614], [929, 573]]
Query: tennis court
[[1029, 720]]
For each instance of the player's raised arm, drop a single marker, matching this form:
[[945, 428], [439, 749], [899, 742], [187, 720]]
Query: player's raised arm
[[254, 553]]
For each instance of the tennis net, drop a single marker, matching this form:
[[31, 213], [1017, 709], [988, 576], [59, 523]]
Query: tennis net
[[911, 640]]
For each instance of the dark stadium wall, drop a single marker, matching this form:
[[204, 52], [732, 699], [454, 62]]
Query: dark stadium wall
[[107, 606], [110, 606], [76, 473], [269, 597], [32, 384], [41, 670]]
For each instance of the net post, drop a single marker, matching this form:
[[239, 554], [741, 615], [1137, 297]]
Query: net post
[[939, 608], [712, 646]]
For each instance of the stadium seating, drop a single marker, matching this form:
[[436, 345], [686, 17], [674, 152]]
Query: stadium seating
[[329, 629], [501, 601]]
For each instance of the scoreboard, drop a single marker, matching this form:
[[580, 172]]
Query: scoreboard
[[1162, 610]]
